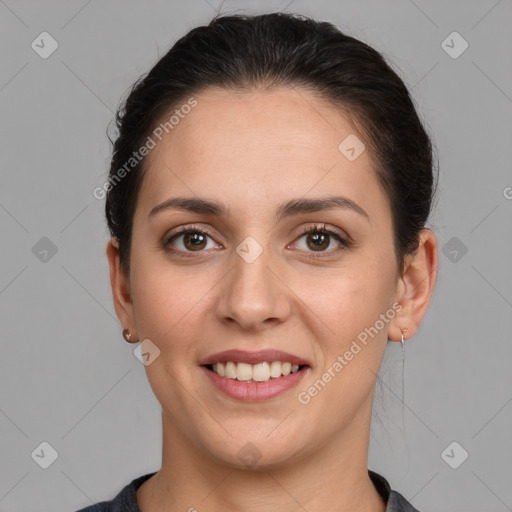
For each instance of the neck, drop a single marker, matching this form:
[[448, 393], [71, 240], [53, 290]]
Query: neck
[[332, 478]]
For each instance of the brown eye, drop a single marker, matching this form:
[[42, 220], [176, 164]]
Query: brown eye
[[188, 240], [318, 241], [194, 241]]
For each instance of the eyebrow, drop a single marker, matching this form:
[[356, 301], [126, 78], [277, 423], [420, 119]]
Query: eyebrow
[[288, 209]]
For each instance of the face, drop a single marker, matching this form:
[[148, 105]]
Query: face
[[249, 278]]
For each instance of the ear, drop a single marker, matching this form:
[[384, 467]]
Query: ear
[[415, 287], [120, 283]]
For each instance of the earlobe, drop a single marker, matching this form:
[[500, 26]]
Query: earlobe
[[123, 303], [415, 287]]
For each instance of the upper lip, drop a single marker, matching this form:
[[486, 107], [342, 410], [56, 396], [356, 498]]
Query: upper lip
[[243, 356]]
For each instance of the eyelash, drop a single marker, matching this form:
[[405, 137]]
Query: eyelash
[[316, 229], [344, 244]]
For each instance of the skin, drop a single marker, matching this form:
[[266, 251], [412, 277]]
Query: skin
[[253, 151]]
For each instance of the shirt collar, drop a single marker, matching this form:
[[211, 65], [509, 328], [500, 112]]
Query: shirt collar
[[395, 502], [126, 500]]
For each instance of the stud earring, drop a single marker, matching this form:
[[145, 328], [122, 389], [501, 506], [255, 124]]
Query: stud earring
[[127, 335]]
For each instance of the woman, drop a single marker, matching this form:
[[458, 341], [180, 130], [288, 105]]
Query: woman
[[267, 201]]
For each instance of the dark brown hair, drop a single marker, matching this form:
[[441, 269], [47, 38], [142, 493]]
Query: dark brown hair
[[246, 52]]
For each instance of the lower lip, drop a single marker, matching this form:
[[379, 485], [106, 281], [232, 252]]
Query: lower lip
[[254, 391]]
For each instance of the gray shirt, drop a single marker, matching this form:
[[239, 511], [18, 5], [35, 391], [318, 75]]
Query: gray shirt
[[126, 500]]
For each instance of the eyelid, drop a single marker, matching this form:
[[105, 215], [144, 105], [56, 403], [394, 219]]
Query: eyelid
[[324, 227], [344, 240], [189, 228]]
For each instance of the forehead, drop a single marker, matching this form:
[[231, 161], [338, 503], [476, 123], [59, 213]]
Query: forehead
[[257, 147]]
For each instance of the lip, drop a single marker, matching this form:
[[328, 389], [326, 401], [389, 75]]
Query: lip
[[261, 356], [255, 391]]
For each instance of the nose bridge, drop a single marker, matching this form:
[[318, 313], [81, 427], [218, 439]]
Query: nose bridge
[[253, 294]]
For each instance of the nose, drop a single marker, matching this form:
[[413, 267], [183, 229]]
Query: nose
[[253, 295]]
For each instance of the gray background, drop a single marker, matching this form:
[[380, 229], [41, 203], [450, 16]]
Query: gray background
[[67, 376]]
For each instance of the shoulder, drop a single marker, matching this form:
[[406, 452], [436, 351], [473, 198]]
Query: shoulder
[[397, 503], [124, 501], [394, 500], [104, 506]]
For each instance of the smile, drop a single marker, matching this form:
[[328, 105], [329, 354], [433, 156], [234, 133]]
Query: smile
[[253, 376], [250, 389], [261, 372]]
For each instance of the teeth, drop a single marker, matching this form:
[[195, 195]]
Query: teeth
[[219, 368], [243, 371], [230, 372], [286, 368], [275, 369], [261, 372]]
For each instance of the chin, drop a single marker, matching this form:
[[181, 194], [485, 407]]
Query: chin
[[255, 451]]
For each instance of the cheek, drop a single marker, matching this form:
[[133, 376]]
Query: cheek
[[169, 303], [353, 355], [348, 299]]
